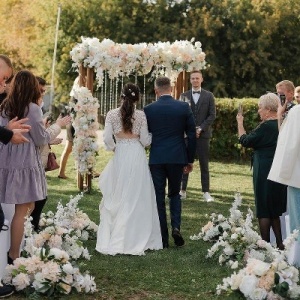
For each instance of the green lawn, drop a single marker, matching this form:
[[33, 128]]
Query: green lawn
[[172, 273]]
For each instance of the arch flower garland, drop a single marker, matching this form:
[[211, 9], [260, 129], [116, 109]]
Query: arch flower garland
[[164, 58], [84, 112]]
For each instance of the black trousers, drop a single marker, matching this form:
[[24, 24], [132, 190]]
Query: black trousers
[[202, 152], [36, 213], [161, 173]]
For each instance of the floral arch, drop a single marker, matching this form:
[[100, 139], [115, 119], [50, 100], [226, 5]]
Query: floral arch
[[116, 61]]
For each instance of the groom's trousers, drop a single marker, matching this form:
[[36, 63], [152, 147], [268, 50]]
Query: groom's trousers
[[161, 173]]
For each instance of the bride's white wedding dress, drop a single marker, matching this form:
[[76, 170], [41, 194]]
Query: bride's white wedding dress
[[129, 222]]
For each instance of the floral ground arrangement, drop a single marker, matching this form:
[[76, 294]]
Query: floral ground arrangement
[[50, 261], [169, 274], [263, 272]]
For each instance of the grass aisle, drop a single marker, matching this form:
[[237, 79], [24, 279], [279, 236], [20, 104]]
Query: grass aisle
[[173, 273]]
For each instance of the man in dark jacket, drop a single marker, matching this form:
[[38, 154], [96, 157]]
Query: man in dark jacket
[[168, 121]]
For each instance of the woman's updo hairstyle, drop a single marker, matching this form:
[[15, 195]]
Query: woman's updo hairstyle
[[129, 96]]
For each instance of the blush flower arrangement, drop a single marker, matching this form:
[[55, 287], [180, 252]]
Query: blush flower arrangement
[[48, 264], [260, 280], [48, 272], [261, 271], [68, 229], [84, 112]]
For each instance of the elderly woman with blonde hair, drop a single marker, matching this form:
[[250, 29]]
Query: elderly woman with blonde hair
[[270, 197]]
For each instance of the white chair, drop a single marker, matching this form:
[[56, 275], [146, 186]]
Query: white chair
[[4, 246], [9, 210]]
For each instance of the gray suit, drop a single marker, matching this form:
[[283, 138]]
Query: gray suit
[[204, 113]]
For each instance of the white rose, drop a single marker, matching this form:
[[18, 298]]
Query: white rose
[[67, 268], [235, 265], [248, 284], [228, 250], [260, 268], [294, 292], [258, 294], [221, 259], [234, 236], [236, 280]]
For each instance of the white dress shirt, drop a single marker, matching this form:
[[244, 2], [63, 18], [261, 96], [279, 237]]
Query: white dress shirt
[[196, 95]]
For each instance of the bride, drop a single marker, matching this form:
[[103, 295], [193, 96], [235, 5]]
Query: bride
[[129, 222]]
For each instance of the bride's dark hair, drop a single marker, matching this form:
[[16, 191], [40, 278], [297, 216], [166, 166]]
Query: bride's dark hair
[[129, 96]]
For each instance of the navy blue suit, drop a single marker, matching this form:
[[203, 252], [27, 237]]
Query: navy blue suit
[[168, 120]]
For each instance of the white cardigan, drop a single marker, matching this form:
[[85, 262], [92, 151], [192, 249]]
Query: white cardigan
[[286, 163]]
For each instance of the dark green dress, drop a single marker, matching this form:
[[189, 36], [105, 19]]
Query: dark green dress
[[270, 197]]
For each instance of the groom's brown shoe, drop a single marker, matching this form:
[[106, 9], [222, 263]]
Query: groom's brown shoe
[[178, 239]]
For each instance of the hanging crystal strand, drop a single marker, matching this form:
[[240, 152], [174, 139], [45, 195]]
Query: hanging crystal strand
[[116, 95], [122, 81], [102, 98], [105, 92], [110, 93], [144, 96]]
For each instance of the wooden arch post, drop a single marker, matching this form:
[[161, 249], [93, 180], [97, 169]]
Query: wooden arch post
[[86, 79], [181, 85]]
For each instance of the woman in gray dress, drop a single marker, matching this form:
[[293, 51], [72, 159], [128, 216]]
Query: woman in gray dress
[[22, 176]]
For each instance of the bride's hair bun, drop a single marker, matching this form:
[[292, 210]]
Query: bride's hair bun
[[131, 92]]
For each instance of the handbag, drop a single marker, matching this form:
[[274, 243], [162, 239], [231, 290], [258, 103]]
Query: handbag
[[51, 162]]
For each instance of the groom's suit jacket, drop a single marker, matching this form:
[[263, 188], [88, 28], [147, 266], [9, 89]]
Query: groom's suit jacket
[[168, 120], [204, 111]]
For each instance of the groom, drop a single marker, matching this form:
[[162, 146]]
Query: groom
[[168, 121]]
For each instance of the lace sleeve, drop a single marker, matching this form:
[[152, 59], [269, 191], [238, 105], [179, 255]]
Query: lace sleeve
[[145, 136], [108, 140]]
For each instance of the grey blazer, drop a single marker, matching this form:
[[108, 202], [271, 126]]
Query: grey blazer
[[204, 111]]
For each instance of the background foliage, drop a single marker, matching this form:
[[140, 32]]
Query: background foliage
[[224, 142], [250, 44]]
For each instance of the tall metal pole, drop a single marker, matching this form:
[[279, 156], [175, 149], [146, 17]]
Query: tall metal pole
[[54, 57]]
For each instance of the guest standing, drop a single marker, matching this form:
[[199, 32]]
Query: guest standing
[[270, 197], [297, 94], [168, 121], [22, 177], [286, 170], [285, 90], [202, 103], [53, 130]]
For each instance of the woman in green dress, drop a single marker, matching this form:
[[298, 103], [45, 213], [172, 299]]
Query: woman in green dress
[[270, 197]]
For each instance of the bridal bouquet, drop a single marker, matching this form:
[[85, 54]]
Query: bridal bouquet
[[48, 272]]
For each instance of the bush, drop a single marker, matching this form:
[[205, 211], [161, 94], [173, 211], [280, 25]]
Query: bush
[[224, 142]]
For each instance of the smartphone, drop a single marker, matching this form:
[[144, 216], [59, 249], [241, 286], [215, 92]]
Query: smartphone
[[50, 118], [282, 99], [240, 109]]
